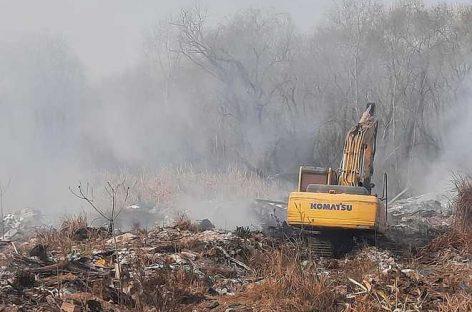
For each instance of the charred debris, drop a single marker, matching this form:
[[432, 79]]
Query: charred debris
[[195, 267]]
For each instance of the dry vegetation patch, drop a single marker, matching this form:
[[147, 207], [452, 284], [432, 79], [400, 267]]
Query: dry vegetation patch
[[288, 281], [462, 206]]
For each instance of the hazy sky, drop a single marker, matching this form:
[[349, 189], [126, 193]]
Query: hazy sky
[[107, 34]]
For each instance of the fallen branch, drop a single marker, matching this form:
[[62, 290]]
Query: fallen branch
[[398, 195], [50, 268], [14, 247], [231, 259]]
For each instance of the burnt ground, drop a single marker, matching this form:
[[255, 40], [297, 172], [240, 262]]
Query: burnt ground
[[183, 268]]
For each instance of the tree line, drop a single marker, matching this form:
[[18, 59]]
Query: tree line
[[253, 90], [265, 95]]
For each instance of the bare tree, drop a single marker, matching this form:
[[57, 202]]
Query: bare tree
[[118, 195], [266, 96]]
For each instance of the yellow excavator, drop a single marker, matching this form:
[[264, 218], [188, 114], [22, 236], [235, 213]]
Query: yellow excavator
[[340, 203]]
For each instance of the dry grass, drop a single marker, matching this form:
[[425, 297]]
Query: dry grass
[[460, 302], [462, 206], [164, 187], [66, 239], [458, 241], [289, 284], [183, 223], [448, 256], [164, 289], [291, 281], [459, 237], [70, 225]]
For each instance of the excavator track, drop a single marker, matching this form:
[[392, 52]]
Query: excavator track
[[320, 247], [382, 242], [387, 243], [337, 244], [331, 244], [327, 248]]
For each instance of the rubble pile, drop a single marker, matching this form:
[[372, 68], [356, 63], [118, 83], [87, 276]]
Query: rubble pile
[[19, 225], [187, 268], [418, 285], [419, 219], [165, 268], [196, 267]]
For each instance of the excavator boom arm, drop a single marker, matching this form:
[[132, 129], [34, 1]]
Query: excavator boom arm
[[359, 151]]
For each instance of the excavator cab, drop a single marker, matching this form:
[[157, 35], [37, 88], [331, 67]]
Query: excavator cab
[[324, 180], [315, 176]]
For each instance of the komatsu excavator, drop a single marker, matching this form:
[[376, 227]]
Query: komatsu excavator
[[341, 202]]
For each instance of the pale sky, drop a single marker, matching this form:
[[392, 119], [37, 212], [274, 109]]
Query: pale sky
[[107, 35]]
